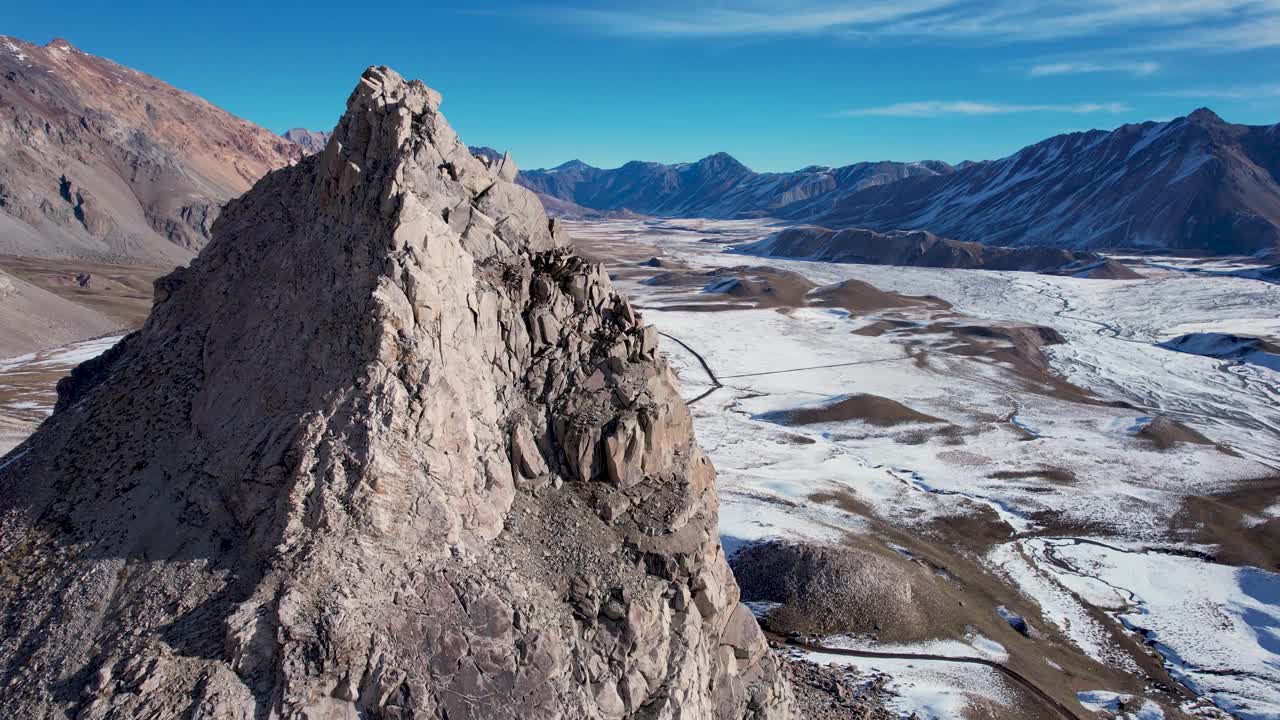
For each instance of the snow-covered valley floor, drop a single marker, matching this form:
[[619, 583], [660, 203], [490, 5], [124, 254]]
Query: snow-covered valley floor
[[1091, 511], [28, 386], [1116, 502]]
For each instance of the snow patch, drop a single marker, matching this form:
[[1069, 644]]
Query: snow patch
[[1103, 700], [15, 51], [1217, 627], [934, 690], [12, 460]]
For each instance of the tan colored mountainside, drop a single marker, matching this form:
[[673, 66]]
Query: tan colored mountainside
[[386, 449], [101, 161]]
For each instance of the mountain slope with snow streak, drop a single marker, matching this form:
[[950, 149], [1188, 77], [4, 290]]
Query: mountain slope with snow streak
[[1195, 184]]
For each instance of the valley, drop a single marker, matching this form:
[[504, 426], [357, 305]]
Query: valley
[[1075, 493], [1007, 444], [364, 421]]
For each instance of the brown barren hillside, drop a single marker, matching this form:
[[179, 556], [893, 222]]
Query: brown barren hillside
[[101, 161]]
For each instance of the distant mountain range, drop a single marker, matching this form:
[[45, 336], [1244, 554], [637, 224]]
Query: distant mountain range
[[98, 160], [717, 186], [1194, 184]]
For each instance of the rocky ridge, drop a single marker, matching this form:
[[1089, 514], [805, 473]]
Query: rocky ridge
[[919, 248], [386, 449], [1195, 184]]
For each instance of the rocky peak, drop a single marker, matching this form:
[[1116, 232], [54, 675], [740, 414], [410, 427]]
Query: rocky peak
[[311, 141], [1205, 118], [61, 44], [722, 162], [386, 449], [572, 165], [487, 155]]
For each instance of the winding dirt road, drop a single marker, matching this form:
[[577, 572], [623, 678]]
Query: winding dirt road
[[1008, 672]]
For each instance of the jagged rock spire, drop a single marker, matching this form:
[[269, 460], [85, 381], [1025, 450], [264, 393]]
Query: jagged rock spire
[[386, 449]]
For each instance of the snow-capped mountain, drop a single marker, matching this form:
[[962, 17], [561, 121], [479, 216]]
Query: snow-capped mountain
[[1196, 183], [717, 186]]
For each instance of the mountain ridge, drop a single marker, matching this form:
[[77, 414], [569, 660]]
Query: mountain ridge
[[312, 141], [716, 186], [1192, 184], [920, 248]]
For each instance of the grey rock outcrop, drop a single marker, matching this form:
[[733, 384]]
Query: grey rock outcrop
[[386, 449], [829, 590], [311, 141]]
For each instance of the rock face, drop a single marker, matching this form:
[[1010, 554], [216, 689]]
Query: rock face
[[386, 449], [717, 186], [101, 161], [916, 249]]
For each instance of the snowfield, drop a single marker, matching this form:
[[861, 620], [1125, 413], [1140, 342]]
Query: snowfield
[[935, 691], [28, 385], [1217, 627], [1056, 472]]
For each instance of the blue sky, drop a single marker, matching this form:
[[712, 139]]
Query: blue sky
[[779, 85]]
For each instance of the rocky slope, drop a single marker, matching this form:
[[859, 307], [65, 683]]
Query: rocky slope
[[98, 160], [386, 449], [311, 141], [1195, 184], [924, 249], [717, 186]]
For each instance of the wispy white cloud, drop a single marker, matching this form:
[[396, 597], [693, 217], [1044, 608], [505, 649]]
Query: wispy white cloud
[[937, 108], [1056, 19], [1082, 68], [1227, 92], [1261, 30], [1189, 24], [750, 18]]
